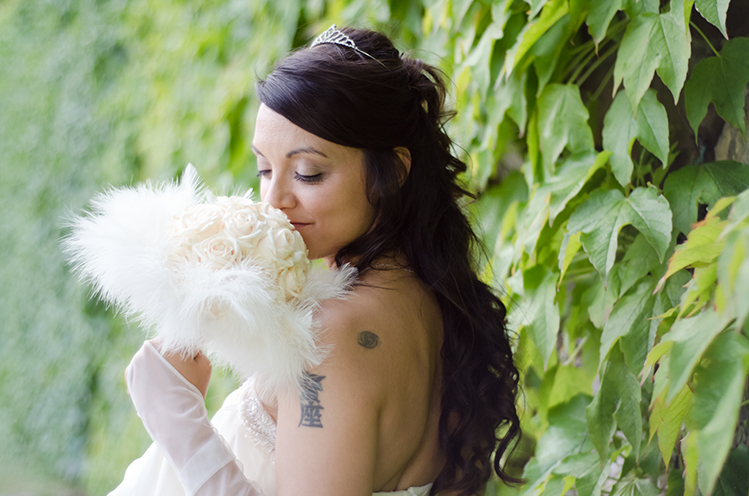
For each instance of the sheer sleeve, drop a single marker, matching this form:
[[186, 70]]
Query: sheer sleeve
[[174, 414]]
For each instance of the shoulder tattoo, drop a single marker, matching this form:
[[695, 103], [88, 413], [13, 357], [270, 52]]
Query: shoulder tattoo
[[368, 340], [311, 406]]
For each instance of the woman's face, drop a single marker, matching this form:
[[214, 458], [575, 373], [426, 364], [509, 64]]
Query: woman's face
[[319, 185]]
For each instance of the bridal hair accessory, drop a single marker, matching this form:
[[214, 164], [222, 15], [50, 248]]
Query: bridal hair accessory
[[336, 37], [226, 275]]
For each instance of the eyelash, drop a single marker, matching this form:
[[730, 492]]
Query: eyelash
[[315, 178]]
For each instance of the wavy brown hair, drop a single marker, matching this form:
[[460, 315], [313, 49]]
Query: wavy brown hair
[[379, 103]]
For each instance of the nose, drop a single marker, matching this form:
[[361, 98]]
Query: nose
[[276, 192]]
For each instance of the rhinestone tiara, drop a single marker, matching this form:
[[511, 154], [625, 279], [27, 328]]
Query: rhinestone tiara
[[336, 37]]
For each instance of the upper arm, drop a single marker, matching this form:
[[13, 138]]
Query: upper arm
[[327, 439]]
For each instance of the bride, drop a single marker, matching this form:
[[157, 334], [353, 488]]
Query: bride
[[418, 393]]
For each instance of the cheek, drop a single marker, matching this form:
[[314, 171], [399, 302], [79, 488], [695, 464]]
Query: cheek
[[359, 212]]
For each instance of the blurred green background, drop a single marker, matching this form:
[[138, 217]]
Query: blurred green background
[[96, 93]]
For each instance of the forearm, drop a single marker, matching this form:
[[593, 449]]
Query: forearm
[[174, 414]]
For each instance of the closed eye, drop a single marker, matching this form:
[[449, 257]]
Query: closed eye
[[263, 173], [314, 178]]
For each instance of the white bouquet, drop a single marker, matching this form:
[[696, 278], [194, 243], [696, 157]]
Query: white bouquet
[[223, 274]]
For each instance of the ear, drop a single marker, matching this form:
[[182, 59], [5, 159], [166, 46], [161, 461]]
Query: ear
[[405, 157]]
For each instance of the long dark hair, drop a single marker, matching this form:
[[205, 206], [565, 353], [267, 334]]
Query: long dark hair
[[377, 101]]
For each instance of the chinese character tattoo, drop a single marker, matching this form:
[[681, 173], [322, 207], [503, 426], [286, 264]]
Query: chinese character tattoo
[[311, 407]]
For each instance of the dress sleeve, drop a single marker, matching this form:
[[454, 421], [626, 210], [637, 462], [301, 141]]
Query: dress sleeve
[[174, 414]]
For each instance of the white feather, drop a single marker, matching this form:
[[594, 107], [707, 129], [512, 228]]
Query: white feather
[[121, 248]]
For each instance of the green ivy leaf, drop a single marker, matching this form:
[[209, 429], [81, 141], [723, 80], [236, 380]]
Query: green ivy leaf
[[720, 80], [558, 486], [563, 122], [691, 338], [733, 274], [570, 178], [479, 58], [590, 482], [734, 478], [569, 381], [600, 14], [548, 52], [739, 212], [675, 484], [702, 247], [588, 473], [565, 435], [536, 6], [705, 184], [714, 11], [691, 458], [539, 311], [639, 260], [666, 420], [629, 485], [620, 128], [617, 402], [718, 391], [599, 299], [600, 420], [634, 8], [459, 10], [602, 216], [551, 13], [653, 42], [518, 109], [629, 322], [570, 246], [699, 290], [534, 217], [628, 416], [488, 211]]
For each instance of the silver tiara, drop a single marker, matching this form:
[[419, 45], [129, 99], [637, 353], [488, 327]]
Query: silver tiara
[[336, 37]]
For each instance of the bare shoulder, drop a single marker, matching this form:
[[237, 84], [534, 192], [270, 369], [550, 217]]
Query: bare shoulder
[[388, 324], [384, 309]]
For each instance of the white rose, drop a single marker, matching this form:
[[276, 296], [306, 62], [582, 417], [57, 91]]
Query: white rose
[[300, 249], [200, 221], [285, 243], [245, 225], [281, 247], [217, 252], [180, 253], [273, 216], [291, 281]]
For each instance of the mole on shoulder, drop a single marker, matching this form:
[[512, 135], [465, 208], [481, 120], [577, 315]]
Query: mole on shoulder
[[368, 340]]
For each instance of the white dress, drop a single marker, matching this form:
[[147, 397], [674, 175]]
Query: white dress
[[242, 433]]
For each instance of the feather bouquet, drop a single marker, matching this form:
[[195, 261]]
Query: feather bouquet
[[223, 274]]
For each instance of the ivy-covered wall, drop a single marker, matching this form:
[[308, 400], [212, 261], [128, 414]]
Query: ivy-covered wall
[[604, 139]]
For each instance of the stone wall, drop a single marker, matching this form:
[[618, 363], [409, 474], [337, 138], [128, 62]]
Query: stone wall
[[732, 145]]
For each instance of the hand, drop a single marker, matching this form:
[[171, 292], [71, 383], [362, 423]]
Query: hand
[[197, 369]]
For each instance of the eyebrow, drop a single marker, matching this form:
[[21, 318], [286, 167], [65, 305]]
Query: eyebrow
[[308, 149], [257, 152]]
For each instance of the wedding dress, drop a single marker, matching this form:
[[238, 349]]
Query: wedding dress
[[230, 456]]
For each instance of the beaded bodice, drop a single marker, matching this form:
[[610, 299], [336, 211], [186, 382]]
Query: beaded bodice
[[259, 424]]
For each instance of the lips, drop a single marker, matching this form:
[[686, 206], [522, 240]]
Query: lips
[[298, 225]]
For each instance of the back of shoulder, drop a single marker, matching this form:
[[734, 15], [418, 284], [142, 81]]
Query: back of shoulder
[[383, 330]]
